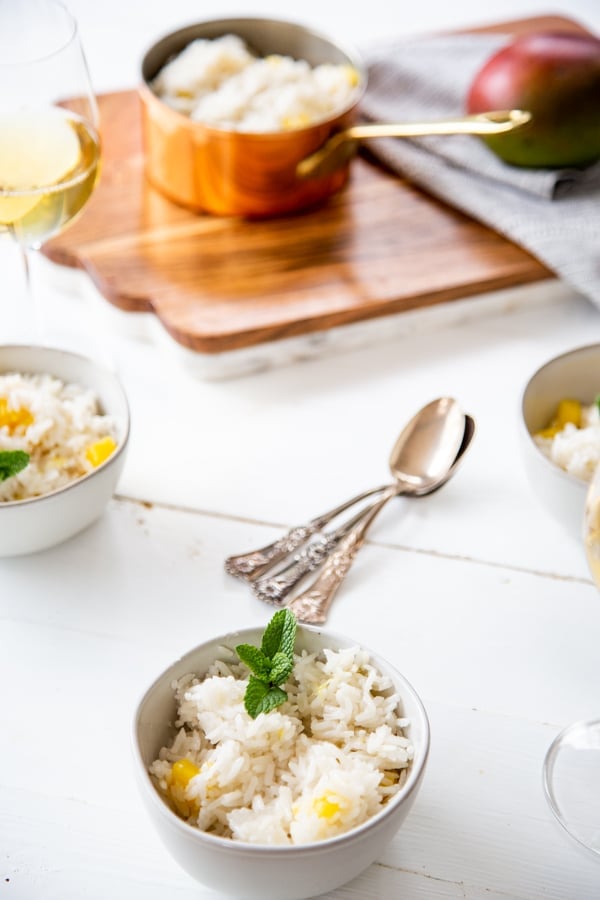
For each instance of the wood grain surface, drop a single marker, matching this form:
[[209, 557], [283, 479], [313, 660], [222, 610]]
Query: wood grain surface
[[380, 246]]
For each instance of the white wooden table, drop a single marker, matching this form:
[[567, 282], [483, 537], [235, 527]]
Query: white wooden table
[[480, 599]]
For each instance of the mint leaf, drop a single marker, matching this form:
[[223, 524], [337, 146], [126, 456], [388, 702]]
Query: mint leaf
[[281, 667], [255, 694], [288, 634], [271, 664], [259, 697], [272, 699], [271, 639], [280, 633], [12, 462], [255, 659]]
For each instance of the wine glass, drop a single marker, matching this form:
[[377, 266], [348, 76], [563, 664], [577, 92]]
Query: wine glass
[[571, 772], [49, 143]]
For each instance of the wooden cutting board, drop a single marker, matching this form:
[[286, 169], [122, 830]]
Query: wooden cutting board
[[380, 246]]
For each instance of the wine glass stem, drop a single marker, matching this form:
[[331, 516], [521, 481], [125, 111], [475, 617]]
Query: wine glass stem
[[35, 312], [27, 315]]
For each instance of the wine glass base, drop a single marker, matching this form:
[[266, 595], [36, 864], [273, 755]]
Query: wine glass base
[[571, 777]]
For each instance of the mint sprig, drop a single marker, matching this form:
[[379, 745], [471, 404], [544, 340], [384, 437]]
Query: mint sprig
[[271, 664], [12, 462]]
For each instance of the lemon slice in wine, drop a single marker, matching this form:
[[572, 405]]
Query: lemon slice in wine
[[38, 150]]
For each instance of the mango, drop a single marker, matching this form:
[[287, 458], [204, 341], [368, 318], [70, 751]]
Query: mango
[[556, 77]]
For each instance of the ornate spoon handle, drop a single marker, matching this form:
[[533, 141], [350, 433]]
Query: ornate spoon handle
[[250, 566], [313, 604], [275, 588]]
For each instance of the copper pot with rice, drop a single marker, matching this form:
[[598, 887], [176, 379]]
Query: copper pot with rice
[[231, 170]]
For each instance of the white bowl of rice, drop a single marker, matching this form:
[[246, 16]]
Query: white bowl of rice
[[294, 802], [65, 419], [561, 432]]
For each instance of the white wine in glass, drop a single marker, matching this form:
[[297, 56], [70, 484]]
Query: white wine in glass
[[49, 143], [572, 763]]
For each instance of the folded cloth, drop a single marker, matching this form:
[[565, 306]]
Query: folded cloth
[[554, 214]]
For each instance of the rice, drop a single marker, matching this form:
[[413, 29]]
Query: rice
[[575, 449], [219, 82], [59, 425], [327, 759]]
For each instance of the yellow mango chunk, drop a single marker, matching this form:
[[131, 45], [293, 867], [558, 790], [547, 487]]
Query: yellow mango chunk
[[14, 419], [549, 432], [183, 771], [568, 411], [352, 75], [327, 806], [100, 450]]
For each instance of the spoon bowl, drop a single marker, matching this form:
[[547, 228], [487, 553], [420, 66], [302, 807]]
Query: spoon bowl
[[428, 446]]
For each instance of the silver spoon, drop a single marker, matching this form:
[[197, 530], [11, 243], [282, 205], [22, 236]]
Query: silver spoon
[[312, 605], [425, 447], [340, 148]]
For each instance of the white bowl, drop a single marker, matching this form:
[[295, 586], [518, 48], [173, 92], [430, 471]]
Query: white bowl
[[27, 526], [247, 871], [574, 374]]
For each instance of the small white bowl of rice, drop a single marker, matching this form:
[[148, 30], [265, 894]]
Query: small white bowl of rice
[[64, 430], [296, 801], [561, 432]]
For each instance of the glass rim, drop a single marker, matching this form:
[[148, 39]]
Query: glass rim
[[548, 783], [71, 36]]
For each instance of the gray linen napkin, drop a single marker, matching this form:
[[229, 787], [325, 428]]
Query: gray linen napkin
[[554, 214]]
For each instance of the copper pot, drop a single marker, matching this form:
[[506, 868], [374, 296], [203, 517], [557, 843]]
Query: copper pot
[[233, 172]]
